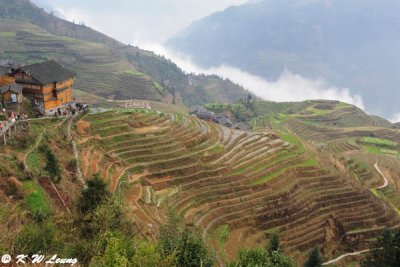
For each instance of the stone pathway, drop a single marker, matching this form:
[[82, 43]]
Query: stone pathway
[[386, 181], [344, 256]]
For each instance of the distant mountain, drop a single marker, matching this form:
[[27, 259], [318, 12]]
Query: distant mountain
[[105, 66], [349, 43]]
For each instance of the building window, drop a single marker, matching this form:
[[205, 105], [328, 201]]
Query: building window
[[14, 98]]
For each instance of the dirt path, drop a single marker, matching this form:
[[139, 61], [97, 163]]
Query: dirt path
[[386, 181], [344, 256], [37, 142], [76, 154], [26, 167], [7, 127]]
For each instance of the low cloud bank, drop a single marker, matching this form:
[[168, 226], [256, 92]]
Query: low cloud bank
[[289, 87], [395, 118]]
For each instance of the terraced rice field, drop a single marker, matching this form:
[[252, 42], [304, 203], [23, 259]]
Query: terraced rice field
[[343, 145], [252, 183]]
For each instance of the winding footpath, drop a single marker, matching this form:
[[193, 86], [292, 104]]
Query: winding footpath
[[386, 183], [344, 256], [6, 127], [38, 141], [75, 151]]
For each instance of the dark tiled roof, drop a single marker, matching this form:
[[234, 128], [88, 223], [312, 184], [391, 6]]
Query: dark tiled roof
[[13, 87], [4, 70], [195, 109], [224, 121], [205, 114], [241, 126], [48, 72]]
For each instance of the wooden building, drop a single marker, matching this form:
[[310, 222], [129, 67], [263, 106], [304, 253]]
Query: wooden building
[[48, 85], [5, 76], [11, 93]]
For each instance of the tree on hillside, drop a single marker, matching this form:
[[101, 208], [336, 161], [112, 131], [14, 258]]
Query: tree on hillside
[[261, 258], [52, 166], [106, 217], [36, 237], [193, 252], [94, 195], [396, 242], [251, 257], [385, 251], [187, 246], [111, 249], [315, 259], [170, 234], [274, 244], [147, 255]]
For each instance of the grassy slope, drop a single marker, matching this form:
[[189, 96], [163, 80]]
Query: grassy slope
[[26, 199]]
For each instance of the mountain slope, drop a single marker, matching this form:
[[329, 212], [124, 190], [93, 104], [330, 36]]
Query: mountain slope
[[105, 67], [305, 172], [306, 178], [27, 11], [350, 44], [99, 70]]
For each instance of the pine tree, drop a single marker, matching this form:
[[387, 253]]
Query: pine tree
[[396, 243], [274, 244], [170, 233], [383, 251], [52, 166], [94, 195], [315, 259]]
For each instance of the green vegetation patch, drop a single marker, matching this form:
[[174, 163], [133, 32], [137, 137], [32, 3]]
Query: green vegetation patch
[[7, 34], [35, 162], [221, 235], [36, 199], [378, 193], [308, 163], [277, 121], [300, 149], [133, 73], [122, 186], [378, 142], [216, 149], [379, 146]]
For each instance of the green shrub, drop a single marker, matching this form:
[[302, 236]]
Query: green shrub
[[94, 195], [52, 166], [111, 250], [35, 238], [107, 216], [72, 165], [261, 258], [36, 201], [385, 251], [315, 259], [22, 140]]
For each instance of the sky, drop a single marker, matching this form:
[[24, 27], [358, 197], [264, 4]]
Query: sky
[[137, 22], [149, 23]]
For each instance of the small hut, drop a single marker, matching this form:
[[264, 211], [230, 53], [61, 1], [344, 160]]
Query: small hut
[[11, 93]]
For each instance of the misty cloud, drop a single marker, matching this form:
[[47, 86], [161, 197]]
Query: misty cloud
[[395, 118], [289, 87], [135, 21], [139, 22]]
